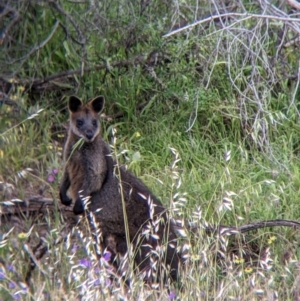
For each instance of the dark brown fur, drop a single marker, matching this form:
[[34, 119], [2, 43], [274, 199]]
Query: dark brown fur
[[91, 172]]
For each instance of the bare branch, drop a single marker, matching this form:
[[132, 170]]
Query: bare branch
[[4, 98], [293, 3], [41, 45], [15, 17], [82, 41], [245, 16], [160, 82]]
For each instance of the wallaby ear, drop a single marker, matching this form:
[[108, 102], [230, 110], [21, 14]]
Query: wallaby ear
[[74, 103], [97, 103]]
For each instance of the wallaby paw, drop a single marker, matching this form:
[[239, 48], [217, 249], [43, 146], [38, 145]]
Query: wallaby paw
[[65, 199], [78, 207]]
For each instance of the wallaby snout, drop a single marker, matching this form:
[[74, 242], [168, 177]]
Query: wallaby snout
[[89, 135]]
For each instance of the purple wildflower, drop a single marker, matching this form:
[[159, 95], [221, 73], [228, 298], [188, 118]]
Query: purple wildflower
[[51, 178], [2, 274], [96, 282], [85, 263], [55, 171], [107, 256], [172, 295], [10, 267], [107, 282], [12, 285], [74, 248], [17, 296]]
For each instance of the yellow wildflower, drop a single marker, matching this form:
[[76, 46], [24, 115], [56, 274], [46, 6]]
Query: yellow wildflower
[[239, 260], [22, 235], [271, 240], [21, 88], [195, 257], [248, 270]]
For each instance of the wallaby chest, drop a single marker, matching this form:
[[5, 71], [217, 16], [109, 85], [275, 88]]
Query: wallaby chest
[[89, 157]]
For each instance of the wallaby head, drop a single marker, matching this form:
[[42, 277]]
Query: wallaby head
[[84, 119]]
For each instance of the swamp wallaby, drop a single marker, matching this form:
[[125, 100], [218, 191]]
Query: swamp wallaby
[[91, 173]]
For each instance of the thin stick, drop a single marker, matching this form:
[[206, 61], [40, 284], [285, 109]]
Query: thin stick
[[244, 15]]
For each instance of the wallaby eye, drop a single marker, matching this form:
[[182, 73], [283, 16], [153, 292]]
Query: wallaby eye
[[94, 122], [79, 122]]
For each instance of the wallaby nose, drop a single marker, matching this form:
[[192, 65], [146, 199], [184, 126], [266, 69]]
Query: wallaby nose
[[89, 134]]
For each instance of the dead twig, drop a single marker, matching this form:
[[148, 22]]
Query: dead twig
[[35, 254], [232, 230], [4, 98], [293, 3], [8, 11], [268, 224], [39, 81], [160, 82], [34, 204], [244, 17], [82, 39], [38, 47]]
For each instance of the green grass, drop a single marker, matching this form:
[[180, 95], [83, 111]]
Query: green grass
[[224, 99]]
